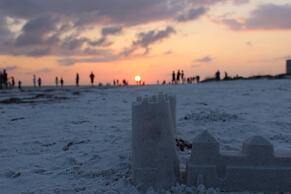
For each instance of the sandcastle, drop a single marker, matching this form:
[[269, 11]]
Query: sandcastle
[[155, 163], [154, 159]]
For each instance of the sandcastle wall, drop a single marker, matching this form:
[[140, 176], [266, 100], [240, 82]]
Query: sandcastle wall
[[255, 168]]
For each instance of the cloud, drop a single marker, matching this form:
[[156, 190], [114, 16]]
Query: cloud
[[86, 12], [205, 59], [59, 27], [146, 39], [112, 30], [265, 17], [53, 36], [52, 28], [192, 14], [233, 24], [213, 2], [38, 52], [5, 33], [38, 31]]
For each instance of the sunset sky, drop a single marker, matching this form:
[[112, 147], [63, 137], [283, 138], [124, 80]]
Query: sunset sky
[[119, 39]]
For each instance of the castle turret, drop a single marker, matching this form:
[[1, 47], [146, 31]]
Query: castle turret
[[204, 147], [258, 148]]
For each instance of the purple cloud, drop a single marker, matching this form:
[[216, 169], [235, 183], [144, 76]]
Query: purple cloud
[[265, 17]]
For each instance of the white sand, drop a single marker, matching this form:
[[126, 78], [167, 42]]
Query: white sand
[[95, 130]]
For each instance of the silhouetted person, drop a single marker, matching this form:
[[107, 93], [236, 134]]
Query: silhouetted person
[[178, 76], [198, 79], [19, 85], [190, 80], [34, 81], [92, 77], [173, 77], [124, 82], [57, 81], [217, 76], [39, 82], [12, 82], [1, 80], [77, 79], [62, 82], [5, 78], [114, 83]]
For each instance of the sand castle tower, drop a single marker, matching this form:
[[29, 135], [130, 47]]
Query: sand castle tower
[[204, 147], [154, 158], [258, 149]]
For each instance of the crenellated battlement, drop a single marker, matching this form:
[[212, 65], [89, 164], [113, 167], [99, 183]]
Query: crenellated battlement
[[155, 99]]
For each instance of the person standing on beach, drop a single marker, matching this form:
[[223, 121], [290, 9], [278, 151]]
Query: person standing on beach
[[217, 76], [173, 77], [178, 76], [92, 77], [39, 82], [77, 79], [19, 85], [62, 82], [198, 79], [34, 81], [5, 78]]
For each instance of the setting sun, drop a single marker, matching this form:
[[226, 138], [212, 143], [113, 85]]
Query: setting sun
[[137, 78]]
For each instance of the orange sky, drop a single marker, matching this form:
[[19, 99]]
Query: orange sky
[[201, 46]]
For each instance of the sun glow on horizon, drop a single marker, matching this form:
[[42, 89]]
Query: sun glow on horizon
[[137, 78]]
